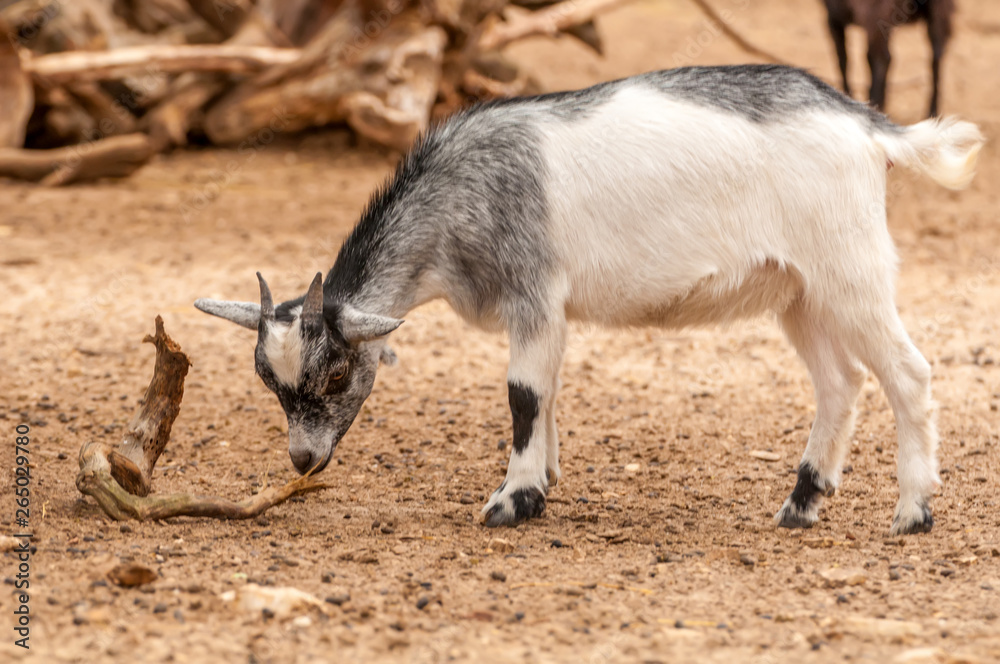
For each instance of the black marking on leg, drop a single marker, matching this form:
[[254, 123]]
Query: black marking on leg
[[528, 504], [807, 488], [799, 511], [925, 524], [524, 409]]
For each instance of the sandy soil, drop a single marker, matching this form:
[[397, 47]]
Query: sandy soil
[[658, 543]]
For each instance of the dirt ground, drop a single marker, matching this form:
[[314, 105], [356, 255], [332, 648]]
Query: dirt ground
[[658, 543]]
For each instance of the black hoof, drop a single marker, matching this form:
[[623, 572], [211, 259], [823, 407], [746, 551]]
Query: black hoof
[[516, 508], [792, 519], [923, 525]]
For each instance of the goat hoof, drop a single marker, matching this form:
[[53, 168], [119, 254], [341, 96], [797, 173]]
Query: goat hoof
[[919, 521], [514, 507], [553, 478], [790, 516]]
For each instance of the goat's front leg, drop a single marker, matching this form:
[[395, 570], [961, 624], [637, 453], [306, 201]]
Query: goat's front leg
[[532, 382]]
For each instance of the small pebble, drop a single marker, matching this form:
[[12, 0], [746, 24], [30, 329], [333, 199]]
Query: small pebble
[[502, 444], [894, 575], [557, 544], [339, 598], [519, 616], [747, 559], [497, 575], [327, 577], [422, 602], [160, 608], [267, 612], [125, 528]]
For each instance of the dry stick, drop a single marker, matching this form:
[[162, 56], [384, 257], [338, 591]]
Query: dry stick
[[17, 96], [549, 21], [115, 156], [149, 430], [580, 584], [95, 480], [75, 66], [119, 478], [737, 37]]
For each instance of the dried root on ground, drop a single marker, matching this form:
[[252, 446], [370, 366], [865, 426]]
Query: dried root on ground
[[119, 477]]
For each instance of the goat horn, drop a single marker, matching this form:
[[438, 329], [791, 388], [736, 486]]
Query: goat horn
[[313, 305], [266, 303]]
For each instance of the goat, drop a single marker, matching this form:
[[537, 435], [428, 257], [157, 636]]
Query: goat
[[675, 198], [878, 18]]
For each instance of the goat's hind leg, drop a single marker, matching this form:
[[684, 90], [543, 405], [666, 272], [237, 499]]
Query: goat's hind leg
[[873, 332], [837, 378], [532, 381], [905, 377]]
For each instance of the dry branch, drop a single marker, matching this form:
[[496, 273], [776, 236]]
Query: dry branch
[[95, 480], [16, 94], [119, 478], [116, 156], [737, 38], [168, 123], [384, 91], [74, 66], [549, 21]]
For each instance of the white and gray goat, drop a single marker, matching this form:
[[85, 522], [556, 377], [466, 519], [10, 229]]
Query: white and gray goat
[[675, 198]]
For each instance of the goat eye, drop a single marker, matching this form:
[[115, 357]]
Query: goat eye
[[335, 383]]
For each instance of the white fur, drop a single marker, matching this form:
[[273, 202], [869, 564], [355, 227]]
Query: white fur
[[284, 350], [673, 214], [945, 149]]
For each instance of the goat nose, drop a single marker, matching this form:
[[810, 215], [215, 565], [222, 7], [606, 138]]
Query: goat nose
[[302, 460]]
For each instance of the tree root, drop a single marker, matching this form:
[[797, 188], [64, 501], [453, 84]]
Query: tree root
[[119, 478]]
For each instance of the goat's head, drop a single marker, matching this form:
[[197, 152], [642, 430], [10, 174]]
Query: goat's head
[[319, 357]]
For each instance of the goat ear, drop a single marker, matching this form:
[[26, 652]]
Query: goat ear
[[357, 326], [388, 357], [246, 314]]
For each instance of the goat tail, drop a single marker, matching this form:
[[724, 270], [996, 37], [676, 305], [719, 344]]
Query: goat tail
[[944, 149]]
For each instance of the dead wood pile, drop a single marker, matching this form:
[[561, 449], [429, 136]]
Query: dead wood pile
[[94, 88]]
